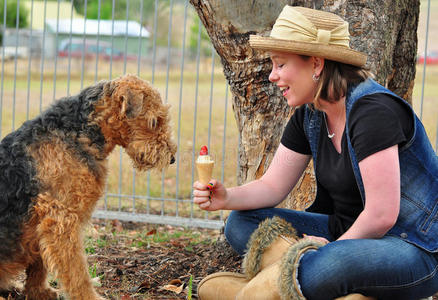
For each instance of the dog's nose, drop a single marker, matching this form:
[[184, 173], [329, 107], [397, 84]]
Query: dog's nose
[[172, 160]]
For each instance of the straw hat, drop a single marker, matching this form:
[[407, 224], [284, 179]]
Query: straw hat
[[311, 32]]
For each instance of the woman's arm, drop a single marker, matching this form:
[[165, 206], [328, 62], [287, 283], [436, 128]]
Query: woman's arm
[[381, 179], [283, 173]]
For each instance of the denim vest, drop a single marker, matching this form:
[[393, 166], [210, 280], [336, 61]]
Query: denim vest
[[417, 222]]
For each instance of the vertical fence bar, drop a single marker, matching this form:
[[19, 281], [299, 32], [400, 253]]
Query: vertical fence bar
[[99, 3], [211, 94], [169, 40], [112, 40], [169, 47], [211, 104], [29, 62], [42, 56], [179, 109], [224, 140], [195, 113], [124, 71], [140, 39], [154, 55], [98, 34], [154, 47], [56, 52], [69, 49], [17, 23], [84, 44], [125, 57], [3, 65]]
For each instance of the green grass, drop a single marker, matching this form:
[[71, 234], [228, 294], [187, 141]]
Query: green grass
[[189, 288]]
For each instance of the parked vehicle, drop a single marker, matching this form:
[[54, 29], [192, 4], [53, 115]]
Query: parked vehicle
[[76, 48], [431, 58]]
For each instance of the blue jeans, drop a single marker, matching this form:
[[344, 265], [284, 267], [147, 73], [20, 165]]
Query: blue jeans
[[386, 268]]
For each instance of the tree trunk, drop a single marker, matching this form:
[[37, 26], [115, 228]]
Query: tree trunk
[[385, 30]]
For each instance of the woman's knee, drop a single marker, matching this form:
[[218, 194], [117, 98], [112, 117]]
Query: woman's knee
[[239, 227], [325, 273], [233, 232]]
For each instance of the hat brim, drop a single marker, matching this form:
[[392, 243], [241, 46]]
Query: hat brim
[[331, 52]]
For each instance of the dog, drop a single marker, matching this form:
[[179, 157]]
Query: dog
[[53, 171]]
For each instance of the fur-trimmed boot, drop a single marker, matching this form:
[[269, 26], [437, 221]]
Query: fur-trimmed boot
[[267, 245], [277, 281], [263, 265], [221, 286]]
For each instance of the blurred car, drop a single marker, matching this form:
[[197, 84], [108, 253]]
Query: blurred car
[[431, 58], [76, 48]]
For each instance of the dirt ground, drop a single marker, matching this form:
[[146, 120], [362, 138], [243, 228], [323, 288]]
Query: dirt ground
[[142, 261], [161, 269]]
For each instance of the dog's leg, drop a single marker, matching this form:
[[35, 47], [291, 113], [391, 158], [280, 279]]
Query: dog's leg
[[8, 276], [36, 287], [62, 251]]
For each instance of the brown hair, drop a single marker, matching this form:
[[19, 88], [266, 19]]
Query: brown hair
[[335, 79]]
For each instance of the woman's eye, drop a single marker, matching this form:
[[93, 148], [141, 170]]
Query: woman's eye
[[280, 65]]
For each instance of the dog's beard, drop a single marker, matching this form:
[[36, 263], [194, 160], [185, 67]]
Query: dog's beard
[[146, 156]]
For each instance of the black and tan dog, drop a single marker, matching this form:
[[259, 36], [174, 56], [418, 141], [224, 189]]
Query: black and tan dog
[[53, 171]]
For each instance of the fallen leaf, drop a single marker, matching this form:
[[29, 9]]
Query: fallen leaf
[[126, 297], [116, 226], [145, 285], [175, 281], [152, 232], [173, 288]]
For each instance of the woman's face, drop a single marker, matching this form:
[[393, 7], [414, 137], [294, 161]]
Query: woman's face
[[293, 75]]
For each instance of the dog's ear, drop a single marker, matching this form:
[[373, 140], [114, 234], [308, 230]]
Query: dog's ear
[[131, 104], [108, 88]]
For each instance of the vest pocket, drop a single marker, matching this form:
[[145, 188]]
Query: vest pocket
[[431, 218]]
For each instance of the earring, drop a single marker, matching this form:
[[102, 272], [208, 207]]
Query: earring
[[315, 78]]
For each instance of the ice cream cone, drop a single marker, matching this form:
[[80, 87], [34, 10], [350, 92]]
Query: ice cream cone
[[205, 171]]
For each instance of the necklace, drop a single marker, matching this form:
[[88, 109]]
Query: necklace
[[330, 136]]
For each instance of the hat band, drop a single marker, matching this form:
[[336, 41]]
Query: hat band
[[294, 26]]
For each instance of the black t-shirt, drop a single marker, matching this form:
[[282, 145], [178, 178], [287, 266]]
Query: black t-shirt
[[376, 122]]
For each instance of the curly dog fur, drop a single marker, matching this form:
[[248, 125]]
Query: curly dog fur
[[52, 173]]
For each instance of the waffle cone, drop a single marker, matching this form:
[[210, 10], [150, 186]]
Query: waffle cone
[[205, 171]]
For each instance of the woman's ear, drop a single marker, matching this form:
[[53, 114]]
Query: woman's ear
[[318, 65]]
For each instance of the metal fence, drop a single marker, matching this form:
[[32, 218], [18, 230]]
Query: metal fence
[[59, 52]]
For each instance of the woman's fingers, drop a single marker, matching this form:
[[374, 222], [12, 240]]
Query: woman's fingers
[[205, 205]]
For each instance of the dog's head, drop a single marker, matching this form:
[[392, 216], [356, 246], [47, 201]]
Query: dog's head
[[131, 114]]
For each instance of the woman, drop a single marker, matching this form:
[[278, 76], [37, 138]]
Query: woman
[[376, 207]]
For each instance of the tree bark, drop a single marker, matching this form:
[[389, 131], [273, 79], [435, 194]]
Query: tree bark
[[385, 30]]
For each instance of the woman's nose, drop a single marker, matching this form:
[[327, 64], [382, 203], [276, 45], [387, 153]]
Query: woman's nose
[[273, 76]]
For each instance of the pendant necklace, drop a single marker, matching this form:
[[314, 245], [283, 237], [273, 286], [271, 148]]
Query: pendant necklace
[[330, 136]]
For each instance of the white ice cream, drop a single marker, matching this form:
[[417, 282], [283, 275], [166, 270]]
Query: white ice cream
[[204, 159]]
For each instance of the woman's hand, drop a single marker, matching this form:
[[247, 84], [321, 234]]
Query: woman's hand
[[212, 196], [316, 239]]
